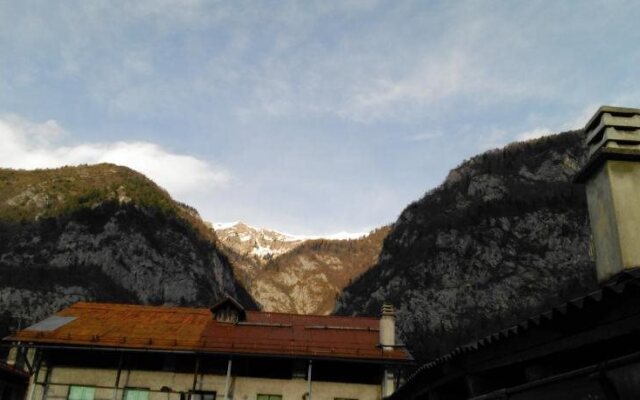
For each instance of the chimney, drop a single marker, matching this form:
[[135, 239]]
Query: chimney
[[387, 327], [612, 181]]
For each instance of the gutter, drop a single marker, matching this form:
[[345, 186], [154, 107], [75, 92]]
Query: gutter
[[234, 354]]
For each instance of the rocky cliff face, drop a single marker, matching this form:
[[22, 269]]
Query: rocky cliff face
[[287, 273], [506, 235], [250, 249], [259, 243], [308, 279], [102, 233]]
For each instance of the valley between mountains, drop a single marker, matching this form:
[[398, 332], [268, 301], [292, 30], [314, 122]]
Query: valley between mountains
[[287, 273], [505, 235]]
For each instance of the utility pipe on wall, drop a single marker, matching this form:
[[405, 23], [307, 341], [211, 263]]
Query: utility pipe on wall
[[34, 378], [115, 389], [195, 375], [309, 380], [228, 381], [47, 380]]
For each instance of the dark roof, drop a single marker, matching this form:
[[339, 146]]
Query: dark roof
[[230, 301], [194, 329], [613, 288]]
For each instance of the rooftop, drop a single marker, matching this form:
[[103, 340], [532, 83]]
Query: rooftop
[[120, 326], [574, 324]]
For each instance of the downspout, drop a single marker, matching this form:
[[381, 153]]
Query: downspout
[[228, 381], [309, 380], [34, 380], [115, 389], [195, 376], [23, 352], [47, 378]]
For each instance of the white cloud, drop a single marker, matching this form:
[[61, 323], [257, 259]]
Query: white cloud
[[533, 134], [29, 145], [24, 130]]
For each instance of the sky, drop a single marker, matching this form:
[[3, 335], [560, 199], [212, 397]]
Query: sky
[[308, 117]]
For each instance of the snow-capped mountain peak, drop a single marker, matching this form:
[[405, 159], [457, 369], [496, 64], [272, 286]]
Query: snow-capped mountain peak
[[264, 243], [295, 273]]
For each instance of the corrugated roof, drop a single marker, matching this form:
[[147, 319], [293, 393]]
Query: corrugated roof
[[195, 329]]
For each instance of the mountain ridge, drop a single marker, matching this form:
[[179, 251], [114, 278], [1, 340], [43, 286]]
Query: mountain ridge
[[287, 274], [102, 233], [504, 236]]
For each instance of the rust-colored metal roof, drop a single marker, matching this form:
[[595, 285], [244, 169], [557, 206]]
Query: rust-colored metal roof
[[195, 329]]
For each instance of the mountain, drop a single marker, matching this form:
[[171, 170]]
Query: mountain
[[294, 273], [505, 236], [252, 247], [103, 233]]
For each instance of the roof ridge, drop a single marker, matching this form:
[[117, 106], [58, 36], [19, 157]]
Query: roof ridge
[[203, 310], [312, 315], [161, 308]]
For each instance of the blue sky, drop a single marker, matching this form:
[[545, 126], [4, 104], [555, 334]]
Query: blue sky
[[307, 117]]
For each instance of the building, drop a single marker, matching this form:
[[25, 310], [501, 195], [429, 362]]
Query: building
[[112, 351], [587, 348]]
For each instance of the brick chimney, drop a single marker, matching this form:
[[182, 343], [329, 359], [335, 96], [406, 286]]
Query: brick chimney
[[387, 327], [612, 180]]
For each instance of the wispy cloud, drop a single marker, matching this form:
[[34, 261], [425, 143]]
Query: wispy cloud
[[29, 145], [310, 92], [436, 79], [577, 121], [420, 137]]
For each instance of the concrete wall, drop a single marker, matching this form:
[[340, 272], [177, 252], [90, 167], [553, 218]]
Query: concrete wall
[[613, 195], [242, 388]]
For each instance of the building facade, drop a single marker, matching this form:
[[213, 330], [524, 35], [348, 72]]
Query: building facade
[[93, 351]]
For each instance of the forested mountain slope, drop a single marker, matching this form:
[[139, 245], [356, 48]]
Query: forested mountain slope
[[103, 233], [505, 235]]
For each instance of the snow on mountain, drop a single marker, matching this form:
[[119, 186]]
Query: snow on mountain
[[224, 225], [297, 273], [258, 243], [264, 244]]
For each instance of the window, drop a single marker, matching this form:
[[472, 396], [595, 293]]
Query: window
[[81, 393], [136, 394], [200, 395], [269, 397]]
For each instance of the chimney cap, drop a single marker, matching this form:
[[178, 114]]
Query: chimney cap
[[387, 309], [612, 110], [613, 127]]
